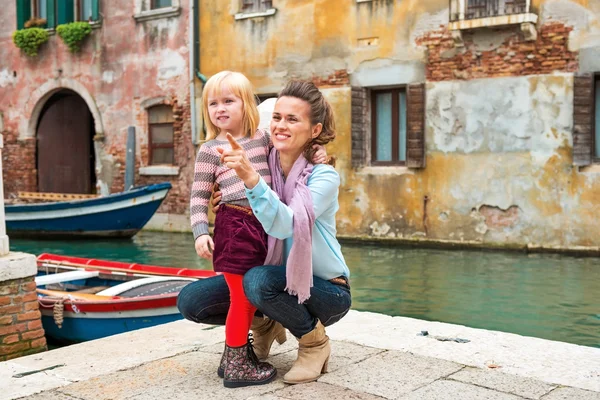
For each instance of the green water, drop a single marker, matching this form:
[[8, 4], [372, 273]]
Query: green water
[[547, 296]]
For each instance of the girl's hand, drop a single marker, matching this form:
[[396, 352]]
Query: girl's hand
[[204, 246], [320, 156], [237, 160]]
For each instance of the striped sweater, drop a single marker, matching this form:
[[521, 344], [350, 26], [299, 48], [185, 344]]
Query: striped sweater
[[208, 170]]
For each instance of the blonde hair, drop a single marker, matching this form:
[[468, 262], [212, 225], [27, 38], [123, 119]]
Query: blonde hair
[[241, 87]]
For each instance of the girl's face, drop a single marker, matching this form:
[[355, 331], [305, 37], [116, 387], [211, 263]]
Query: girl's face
[[291, 128], [226, 111]]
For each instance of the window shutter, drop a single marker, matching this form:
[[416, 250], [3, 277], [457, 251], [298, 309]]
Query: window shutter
[[415, 126], [51, 10], [583, 109], [65, 12], [359, 126], [95, 10], [23, 12]]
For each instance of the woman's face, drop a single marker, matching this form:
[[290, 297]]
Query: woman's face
[[291, 128]]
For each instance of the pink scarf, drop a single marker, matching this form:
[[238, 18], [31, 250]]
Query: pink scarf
[[296, 195]]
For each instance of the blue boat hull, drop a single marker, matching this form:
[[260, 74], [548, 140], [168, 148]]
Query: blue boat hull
[[77, 330], [117, 215]]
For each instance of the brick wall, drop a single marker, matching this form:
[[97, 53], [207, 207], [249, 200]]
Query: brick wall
[[340, 77], [18, 159], [21, 331], [514, 57]]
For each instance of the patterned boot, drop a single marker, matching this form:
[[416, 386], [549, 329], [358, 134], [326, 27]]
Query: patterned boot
[[244, 369]]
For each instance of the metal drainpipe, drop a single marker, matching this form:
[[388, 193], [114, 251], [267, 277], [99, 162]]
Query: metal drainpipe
[[194, 67]]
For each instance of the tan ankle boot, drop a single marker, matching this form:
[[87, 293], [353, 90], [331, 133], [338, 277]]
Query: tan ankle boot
[[313, 357], [264, 332]]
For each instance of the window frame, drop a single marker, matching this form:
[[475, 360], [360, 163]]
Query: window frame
[[151, 145], [395, 91], [256, 6]]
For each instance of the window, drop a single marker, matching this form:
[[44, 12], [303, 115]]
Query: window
[[160, 140], [154, 4], [252, 6], [56, 12], [388, 127], [88, 10]]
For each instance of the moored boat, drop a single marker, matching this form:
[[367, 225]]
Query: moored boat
[[83, 299], [117, 215]]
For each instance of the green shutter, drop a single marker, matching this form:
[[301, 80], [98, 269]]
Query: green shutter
[[51, 17], [95, 10], [65, 12], [23, 12]]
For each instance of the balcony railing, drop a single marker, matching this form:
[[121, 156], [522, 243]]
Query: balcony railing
[[461, 10]]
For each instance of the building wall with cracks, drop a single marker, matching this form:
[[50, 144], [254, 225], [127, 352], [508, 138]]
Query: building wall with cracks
[[499, 108], [134, 58]]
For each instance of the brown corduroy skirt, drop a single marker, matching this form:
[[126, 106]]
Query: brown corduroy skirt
[[240, 241]]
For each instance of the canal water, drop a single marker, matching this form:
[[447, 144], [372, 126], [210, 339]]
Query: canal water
[[546, 296]]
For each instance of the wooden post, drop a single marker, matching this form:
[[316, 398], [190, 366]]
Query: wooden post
[[130, 159]]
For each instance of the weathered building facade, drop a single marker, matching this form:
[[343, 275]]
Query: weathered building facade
[[468, 121], [463, 121], [64, 116]]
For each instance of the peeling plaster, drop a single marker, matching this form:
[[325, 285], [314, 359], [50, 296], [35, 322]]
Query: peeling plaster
[[6, 78], [108, 76], [385, 71], [501, 115], [378, 229], [172, 65]]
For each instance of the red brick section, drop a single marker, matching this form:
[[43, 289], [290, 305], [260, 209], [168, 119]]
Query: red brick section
[[514, 57], [339, 78], [18, 159], [21, 331]]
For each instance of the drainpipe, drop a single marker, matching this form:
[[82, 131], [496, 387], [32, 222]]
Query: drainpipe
[[194, 67]]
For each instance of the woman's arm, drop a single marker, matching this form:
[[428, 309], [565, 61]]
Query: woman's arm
[[276, 217]]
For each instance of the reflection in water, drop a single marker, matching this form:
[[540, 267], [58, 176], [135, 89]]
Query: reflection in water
[[547, 296]]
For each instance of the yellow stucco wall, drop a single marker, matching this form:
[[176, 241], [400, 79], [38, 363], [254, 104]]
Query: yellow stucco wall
[[499, 151]]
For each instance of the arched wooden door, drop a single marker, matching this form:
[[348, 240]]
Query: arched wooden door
[[65, 156]]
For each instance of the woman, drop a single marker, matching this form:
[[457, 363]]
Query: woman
[[304, 284]]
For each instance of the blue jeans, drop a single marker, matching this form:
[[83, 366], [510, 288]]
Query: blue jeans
[[207, 300]]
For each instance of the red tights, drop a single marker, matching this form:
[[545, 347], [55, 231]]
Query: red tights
[[241, 312]]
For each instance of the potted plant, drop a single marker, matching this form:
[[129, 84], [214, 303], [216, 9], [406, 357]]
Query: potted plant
[[30, 39], [73, 34]]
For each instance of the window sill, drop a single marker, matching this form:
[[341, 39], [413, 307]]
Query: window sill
[[590, 169], [511, 19], [160, 170], [391, 170], [364, 1], [165, 12], [266, 13]]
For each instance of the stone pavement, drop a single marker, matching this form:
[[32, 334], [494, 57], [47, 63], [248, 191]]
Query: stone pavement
[[373, 357]]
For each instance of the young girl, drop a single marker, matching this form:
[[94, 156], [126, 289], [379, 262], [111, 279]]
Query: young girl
[[240, 243]]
